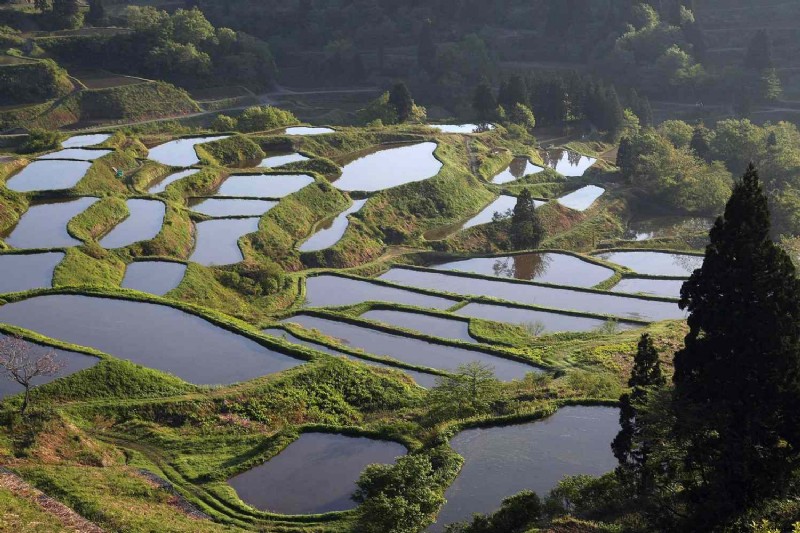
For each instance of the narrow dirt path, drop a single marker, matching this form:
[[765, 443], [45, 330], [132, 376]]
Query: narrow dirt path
[[71, 520]]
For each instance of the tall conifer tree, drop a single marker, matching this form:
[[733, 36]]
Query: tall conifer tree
[[737, 380]]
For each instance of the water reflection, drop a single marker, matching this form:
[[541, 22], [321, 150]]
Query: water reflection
[[421, 378], [217, 241], [559, 269], [568, 163], [502, 461], [180, 152], [82, 141], [156, 336], [308, 130], [462, 128], [656, 263], [332, 232], [410, 350], [583, 198], [317, 473], [143, 224], [279, 160], [44, 225], [384, 168], [48, 175], [154, 277], [666, 227], [519, 168], [22, 272], [161, 186]]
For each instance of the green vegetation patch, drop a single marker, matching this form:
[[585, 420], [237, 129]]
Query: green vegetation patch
[[98, 219], [291, 221], [89, 265], [232, 151], [25, 83]]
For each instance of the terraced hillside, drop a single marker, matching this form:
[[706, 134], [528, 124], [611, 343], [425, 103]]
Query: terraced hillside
[[209, 348]]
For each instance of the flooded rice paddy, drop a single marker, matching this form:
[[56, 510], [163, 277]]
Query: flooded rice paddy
[[530, 294], [335, 291], [79, 154], [217, 241], [502, 461], [519, 168], [317, 473], [48, 176], [143, 224], [436, 326], [332, 232], [421, 378], [656, 263], [550, 322], [180, 152], [668, 288], [501, 205], [82, 141], [307, 130], [23, 272], [233, 207], [156, 336], [162, 185], [463, 129], [410, 350], [263, 185], [385, 168], [666, 227], [45, 225], [568, 163], [280, 160], [555, 268], [583, 198], [155, 277]]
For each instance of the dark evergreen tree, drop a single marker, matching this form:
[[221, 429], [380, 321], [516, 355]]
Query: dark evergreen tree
[[646, 373], [772, 140], [526, 228], [483, 102], [97, 13], [426, 50], [640, 105], [517, 93], [694, 35], [759, 52], [737, 380], [701, 142], [502, 94], [400, 99], [625, 157], [65, 8]]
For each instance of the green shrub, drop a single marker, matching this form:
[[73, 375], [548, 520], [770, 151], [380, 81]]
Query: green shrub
[[40, 140], [261, 118]]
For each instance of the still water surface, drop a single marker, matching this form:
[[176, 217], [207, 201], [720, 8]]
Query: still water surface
[[502, 461], [22, 272], [156, 336], [317, 473], [385, 168], [45, 225]]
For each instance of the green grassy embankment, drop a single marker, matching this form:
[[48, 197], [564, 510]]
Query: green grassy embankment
[[98, 219]]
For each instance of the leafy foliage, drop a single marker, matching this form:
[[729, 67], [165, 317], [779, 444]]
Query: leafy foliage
[[736, 380]]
